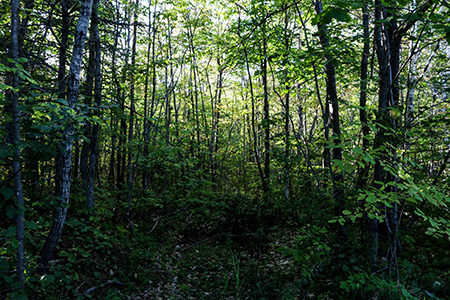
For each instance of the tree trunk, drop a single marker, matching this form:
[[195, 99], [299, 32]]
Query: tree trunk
[[412, 80], [14, 133], [87, 181], [122, 154], [145, 131], [62, 82], [66, 153], [332, 99], [287, 150], [382, 121], [325, 109], [130, 179], [113, 162], [266, 120], [93, 144], [362, 172], [253, 113]]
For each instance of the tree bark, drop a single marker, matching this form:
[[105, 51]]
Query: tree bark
[[66, 153], [113, 162], [332, 99], [266, 120], [62, 82], [287, 166], [146, 129], [94, 128], [131, 164], [14, 133], [253, 109], [362, 172]]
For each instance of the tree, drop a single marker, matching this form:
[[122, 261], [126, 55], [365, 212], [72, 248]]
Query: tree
[[66, 155], [14, 135], [332, 100], [205, 137]]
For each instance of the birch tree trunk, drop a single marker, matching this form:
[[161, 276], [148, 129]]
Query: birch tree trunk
[[66, 155], [62, 81]]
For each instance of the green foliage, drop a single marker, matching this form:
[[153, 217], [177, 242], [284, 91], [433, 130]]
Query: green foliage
[[311, 251], [195, 222]]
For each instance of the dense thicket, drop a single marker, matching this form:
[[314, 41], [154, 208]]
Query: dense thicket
[[224, 149]]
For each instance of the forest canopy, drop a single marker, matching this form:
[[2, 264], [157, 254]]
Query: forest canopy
[[230, 149]]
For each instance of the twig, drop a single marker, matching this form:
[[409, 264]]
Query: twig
[[154, 226], [202, 241], [380, 270], [105, 284]]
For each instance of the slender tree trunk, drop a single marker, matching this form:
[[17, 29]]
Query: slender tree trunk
[[167, 88], [62, 82], [112, 158], [153, 104], [31, 156], [382, 121], [266, 120], [388, 38], [93, 144], [194, 74], [122, 155], [412, 80], [287, 149], [362, 172], [253, 113], [166, 112], [113, 163], [73, 88], [392, 218], [87, 181], [145, 123], [15, 141], [325, 109], [130, 177], [216, 121], [332, 99]]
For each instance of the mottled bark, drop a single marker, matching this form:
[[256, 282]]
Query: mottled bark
[[66, 153], [89, 155], [62, 80]]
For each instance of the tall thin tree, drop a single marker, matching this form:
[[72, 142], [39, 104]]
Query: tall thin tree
[[60, 214], [14, 129]]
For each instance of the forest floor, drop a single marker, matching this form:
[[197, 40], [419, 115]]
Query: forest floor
[[223, 247], [187, 253], [219, 265]]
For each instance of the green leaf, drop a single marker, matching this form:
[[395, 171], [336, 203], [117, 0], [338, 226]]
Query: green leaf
[[336, 13]]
